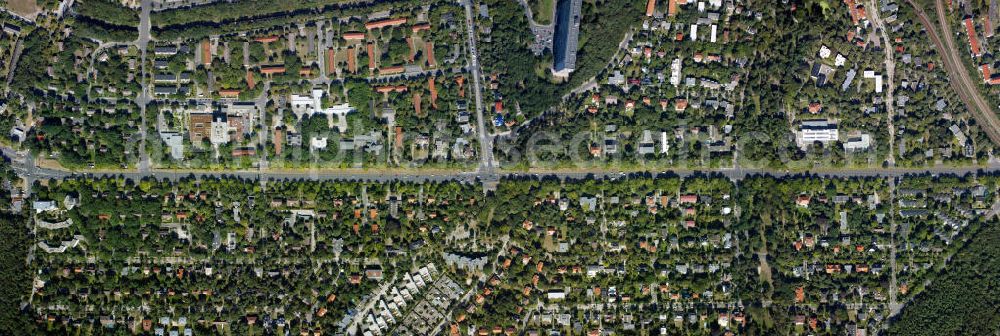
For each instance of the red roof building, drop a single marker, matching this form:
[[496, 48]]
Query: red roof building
[[352, 60], [420, 27], [429, 51], [416, 103], [987, 26], [680, 105], [266, 39], [399, 137], [385, 23], [988, 76], [413, 50], [354, 36], [229, 93], [434, 92], [251, 83], [393, 70], [206, 52], [371, 56], [815, 108], [331, 59], [391, 88], [970, 29], [857, 11], [272, 69], [279, 141]]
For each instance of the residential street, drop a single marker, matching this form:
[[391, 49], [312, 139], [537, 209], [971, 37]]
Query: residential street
[[485, 140], [144, 97], [890, 72]]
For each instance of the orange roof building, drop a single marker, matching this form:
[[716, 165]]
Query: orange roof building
[[272, 69], [279, 141], [385, 23], [857, 11], [244, 152], [354, 36], [391, 88], [352, 60], [331, 59], [434, 92], [970, 29], [988, 76], [413, 50], [429, 50], [266, 39], [393, 70], [416, 103], [399, 137], [251, 83], [680, 105], [672, 8], [420, 27], [371, 56], [229, 93], [650, 7], [987, 26], [206, 52]]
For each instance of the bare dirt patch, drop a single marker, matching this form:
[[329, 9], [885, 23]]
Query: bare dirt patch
[[25, 8]]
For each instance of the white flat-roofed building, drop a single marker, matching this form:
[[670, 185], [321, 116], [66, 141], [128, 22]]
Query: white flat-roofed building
[[811, 131], [859, 142], [220, 130]]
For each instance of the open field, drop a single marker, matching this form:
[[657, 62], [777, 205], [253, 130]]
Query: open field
[[25, 8], [542, 10]]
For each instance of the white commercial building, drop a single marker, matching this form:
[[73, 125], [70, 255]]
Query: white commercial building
[[878, 79], [821, 130], [675, 72], [220, 130], [858, 143]]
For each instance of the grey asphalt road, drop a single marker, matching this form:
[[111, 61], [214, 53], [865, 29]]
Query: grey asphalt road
[[474, 177], [485, 142]]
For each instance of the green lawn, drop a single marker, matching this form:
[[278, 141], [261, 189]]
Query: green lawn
[[542, 10]]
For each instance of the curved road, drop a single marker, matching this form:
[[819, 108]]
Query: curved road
[[890, 72]]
